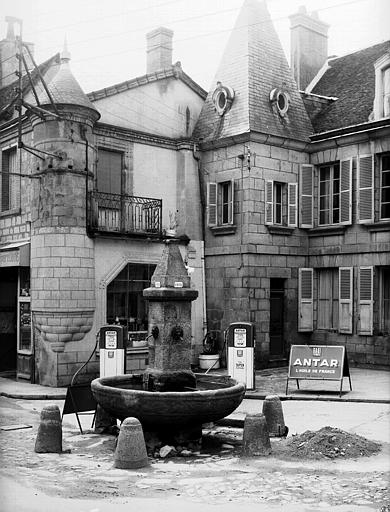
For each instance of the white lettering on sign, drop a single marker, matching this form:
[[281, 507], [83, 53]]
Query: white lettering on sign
[[111, 339], [240, 337], [314, 362], [178, 284], [157, 284]]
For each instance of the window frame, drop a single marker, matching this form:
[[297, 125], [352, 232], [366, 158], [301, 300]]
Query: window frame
[[285, 209], [381, 186], [331, 194], [220, 210], [14, 182]]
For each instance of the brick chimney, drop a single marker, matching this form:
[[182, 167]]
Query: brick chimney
[[9, 63], [309, 46], [159, 49]]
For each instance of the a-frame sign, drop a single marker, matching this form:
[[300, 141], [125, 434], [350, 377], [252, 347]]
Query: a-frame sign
[[318, 362]]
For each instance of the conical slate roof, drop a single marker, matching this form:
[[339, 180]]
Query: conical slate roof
[[253, 65], [64, 88]]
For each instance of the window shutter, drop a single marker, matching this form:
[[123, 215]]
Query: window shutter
[[306, 196], [366, 189], [305, 300], [365, 300], [346, 191], [231, 207], [269, 202], [292, 204], [345, 299], [212, 204]]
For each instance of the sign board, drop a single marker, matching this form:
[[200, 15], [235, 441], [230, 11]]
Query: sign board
[[318, 362], [79, 399]]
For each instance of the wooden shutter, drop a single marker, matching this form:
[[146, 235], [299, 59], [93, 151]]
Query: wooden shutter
[[305, 300], [231, 206], [212, 204], [292, 190], [346, 191], [345, 299], [269, 202], [365, 300], [306, 196], [365, 188], [14, 179]]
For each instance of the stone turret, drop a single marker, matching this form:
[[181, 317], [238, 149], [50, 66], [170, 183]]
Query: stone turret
[[62, 255]]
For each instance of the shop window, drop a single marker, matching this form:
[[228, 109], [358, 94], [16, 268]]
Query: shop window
[[125, 301]]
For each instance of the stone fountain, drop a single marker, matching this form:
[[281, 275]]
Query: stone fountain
[[168, 399]]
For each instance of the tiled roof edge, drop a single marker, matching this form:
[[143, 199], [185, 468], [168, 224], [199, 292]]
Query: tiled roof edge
[[174, 71]]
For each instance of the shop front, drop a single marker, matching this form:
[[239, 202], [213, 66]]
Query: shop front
[[16, 336]]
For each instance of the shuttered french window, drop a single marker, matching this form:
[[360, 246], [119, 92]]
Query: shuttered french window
[[306, 196], [212, 204], [292, 217], [346, 191], [305, 300], [365, 174], [365, 325], [345, 299]]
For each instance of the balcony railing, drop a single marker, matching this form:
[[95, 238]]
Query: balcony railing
[[121, 214]]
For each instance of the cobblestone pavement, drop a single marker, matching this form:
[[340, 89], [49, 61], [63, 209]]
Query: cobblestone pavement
[[207, 479]]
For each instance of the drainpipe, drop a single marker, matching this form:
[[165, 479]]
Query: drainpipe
[[196, 155]]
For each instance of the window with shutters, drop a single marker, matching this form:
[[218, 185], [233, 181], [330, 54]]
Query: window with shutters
[[328, 302], [385, 187], [281, 208], [220, 204], [335, 193], [10, 182]]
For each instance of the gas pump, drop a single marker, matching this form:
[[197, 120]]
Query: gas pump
[[241, 351], [112, 345]]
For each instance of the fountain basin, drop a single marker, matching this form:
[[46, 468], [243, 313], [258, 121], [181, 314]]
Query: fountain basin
[[123, 396]]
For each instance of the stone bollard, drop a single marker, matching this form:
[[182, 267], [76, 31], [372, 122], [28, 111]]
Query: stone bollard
[[130, 450], [256, 436], [49, 437], [273, 412]]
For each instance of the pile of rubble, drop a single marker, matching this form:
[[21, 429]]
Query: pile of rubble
[[331, 443]]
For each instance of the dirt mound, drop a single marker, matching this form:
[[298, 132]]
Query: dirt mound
[[331, 443]]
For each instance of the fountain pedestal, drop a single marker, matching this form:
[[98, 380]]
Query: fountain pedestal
[[170, 297]]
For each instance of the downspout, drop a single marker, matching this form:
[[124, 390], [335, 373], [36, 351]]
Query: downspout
[[196, 155]]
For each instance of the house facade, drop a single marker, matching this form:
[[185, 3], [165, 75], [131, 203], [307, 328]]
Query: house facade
[[275, 184], [295, 165]]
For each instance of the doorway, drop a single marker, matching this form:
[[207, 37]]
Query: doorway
[[8, 320], [276, 333]]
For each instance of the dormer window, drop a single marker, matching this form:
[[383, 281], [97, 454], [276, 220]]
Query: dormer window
[[222, 98], [382, 87]]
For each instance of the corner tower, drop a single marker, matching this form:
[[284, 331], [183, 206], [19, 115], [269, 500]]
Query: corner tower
[[62, 255]]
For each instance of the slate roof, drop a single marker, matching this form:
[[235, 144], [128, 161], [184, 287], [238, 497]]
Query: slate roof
[[253, 65], [65, 90], [351, 79]]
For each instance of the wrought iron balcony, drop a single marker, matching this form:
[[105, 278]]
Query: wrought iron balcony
[[124, 215]]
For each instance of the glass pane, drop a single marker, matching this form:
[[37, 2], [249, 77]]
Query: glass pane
[[24, 326], [386, 179]]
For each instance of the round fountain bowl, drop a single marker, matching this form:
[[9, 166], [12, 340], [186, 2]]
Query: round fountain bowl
[[122, 396]]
